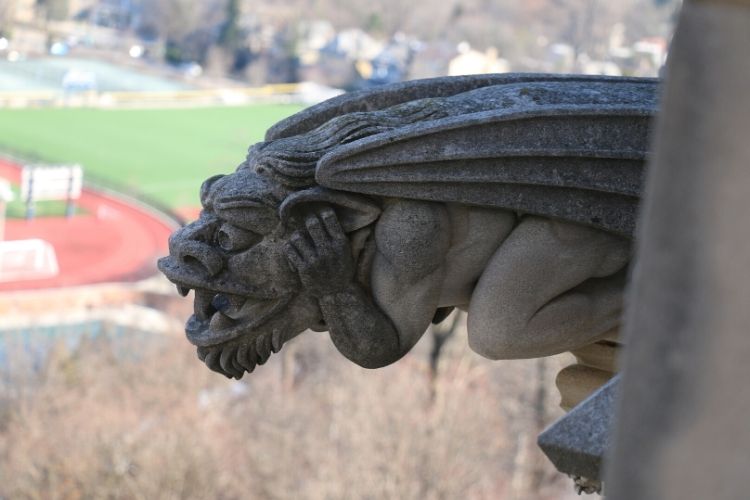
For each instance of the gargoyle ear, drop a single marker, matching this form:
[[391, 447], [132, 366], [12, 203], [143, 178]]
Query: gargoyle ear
[[206, 188], [354, 211]]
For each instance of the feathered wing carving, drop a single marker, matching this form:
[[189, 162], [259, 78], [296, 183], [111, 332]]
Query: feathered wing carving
[[399, 93], [570, 148]]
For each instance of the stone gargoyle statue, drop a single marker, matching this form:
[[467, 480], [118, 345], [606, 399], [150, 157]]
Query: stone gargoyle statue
[[512, 197]]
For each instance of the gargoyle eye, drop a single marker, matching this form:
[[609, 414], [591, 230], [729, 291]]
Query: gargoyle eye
[[232, 238]]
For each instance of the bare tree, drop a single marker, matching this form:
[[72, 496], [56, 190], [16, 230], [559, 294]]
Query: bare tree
[[190, 28], [142, 418]]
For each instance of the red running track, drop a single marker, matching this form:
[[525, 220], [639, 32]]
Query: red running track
[[114, 242]]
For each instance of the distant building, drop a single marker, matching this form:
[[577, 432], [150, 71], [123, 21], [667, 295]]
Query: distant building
[[355, 44], [315, 37], [591, 67], [472, 62], [31, 11], [561, 58], [331, 70], [653, 49], [354, 59], [392, 64]]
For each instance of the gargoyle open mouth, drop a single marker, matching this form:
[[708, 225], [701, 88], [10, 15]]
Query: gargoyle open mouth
[[234, 326], [220, 317], [227, 329]]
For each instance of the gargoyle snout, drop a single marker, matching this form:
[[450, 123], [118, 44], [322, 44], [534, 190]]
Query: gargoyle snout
[[191, 247], [199, 255]]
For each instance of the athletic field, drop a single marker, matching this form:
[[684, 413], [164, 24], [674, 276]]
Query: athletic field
[[162, 153], [47, 73]]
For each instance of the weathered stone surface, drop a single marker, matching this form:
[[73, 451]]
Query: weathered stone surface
[[576, 443], [683, 420], [510, 196], [391, 95]]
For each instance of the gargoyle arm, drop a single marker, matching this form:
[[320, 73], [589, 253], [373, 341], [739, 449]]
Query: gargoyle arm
[[406, 282], [362, 330], [359, 329], [408, 303], [413, 238]]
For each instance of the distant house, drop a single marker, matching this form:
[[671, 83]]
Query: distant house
[[560, 57], [315, 36], [331, 70], [355, 44], [473, 62], [392, 64], [645, 57], [354, 59], [651, 54], [591, 67], [381, 70]]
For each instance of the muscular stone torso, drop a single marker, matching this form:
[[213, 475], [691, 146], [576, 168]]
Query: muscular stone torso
[[532, 286]]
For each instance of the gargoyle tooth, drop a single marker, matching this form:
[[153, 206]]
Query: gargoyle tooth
[[202, 304], [183, 290]]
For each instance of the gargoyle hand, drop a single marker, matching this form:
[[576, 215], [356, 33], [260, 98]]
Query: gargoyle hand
[[322, 257], [326, 268]]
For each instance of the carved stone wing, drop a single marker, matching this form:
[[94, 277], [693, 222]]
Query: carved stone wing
[[568, 148], [398, 93]]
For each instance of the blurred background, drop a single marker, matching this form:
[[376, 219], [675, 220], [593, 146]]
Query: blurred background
[[112, 113]]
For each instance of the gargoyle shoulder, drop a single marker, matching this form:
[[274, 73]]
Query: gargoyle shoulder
[[413, 236]]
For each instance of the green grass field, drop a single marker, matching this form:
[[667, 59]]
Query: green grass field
[[162, 153]]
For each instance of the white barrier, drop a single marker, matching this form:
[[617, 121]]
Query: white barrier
[[61, 182], [6, 195], [22, 260], [51, 183]]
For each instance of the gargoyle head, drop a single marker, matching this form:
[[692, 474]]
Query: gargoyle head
[[248, 300]]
